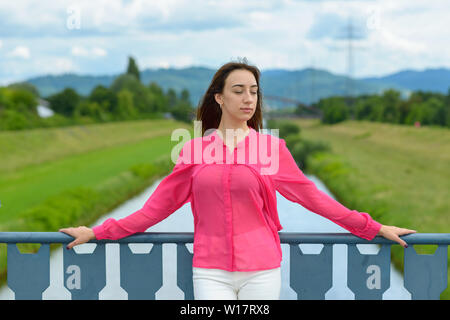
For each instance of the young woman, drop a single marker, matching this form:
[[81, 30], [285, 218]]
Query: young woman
[[237, 251]]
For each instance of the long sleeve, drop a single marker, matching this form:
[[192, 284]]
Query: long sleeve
[[296, 187], [171, 193]]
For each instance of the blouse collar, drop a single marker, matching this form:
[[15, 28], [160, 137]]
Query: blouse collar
[[251, 134]]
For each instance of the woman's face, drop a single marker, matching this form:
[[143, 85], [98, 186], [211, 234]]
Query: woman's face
[[239, 96]]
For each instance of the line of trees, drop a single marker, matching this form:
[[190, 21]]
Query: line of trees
[[424, 108], [127, 98]]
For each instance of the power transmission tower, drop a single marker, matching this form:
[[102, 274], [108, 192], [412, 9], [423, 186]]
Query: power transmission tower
[[313, 82], [351, 33]]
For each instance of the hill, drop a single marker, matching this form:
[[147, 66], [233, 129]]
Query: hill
[[306, 85]]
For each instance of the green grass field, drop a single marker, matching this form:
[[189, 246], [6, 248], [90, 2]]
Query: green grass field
[[37, 164], [62, 177], [399, 174]]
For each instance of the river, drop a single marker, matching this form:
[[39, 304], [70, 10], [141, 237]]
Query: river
[[293, 218]]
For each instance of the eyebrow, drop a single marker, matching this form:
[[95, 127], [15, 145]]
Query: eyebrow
[[241, 85]]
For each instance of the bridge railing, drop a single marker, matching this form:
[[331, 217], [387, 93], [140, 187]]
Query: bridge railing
[[368, 275]]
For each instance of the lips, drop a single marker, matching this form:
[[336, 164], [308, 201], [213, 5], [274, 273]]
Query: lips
[[246, 109]]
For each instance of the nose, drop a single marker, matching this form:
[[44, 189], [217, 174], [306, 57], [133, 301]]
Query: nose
[[249, 97]]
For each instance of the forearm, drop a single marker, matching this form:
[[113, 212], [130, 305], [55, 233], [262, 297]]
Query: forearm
[[113, 229]]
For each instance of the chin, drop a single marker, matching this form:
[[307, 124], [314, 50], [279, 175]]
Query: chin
[[246, 118]]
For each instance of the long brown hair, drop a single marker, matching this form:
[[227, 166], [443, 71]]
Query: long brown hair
[[209, 111]]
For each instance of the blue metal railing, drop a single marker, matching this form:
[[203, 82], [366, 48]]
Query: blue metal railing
[[368, 275]]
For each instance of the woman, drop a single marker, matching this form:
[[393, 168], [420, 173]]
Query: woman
[[237, 251]]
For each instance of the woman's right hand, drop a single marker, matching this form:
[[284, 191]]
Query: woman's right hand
[[81, 234]]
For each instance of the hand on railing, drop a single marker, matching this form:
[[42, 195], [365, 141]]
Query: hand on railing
[[81, 234], [393, 233]]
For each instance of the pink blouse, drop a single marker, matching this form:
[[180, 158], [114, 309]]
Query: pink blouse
[[233, 201]]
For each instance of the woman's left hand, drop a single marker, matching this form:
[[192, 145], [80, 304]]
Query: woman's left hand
[[393, 233]]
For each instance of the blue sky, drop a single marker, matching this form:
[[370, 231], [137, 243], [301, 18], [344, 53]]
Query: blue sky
[[96, 36]]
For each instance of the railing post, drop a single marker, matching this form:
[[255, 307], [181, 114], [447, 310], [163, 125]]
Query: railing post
[[85, 274], [141, 274], [184, 271], [368, 275], [425, 275], [311, 274], [28, 273]]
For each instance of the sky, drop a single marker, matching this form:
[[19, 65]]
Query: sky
[[96, 37]]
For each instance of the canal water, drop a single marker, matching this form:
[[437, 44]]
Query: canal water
[[293, 218]]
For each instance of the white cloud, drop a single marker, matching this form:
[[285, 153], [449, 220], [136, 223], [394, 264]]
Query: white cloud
[[83, 52], [273, 34], [79, 51], [164, 64], [99, 52], [61, 65], [20, 52], [177, 60]]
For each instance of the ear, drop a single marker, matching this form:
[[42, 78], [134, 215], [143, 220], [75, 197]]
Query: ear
[[218, 98]]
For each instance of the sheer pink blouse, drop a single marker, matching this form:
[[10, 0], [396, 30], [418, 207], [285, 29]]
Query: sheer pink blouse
[[233, 202]]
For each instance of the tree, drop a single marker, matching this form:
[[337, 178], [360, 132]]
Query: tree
[[159, 100], [439, 111], [185, 95], [183, 111], [125, 106], [23, 101], [133, 68], [391, 101], [13, 120], [334, 110], [64, 102], [447, 108], [377, 113], [404, 108], [421, 112], [17, 108], [105, 97], [89, 109], [363, 108], [171, 98], [25, 86], [142, 99]]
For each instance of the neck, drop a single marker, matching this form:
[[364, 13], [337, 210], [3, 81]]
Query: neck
[[224, 125]]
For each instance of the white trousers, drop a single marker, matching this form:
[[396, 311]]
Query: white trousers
[[217, 284]]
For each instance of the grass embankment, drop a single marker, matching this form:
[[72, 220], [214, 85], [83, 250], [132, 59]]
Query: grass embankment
[[61, 177], [399, 174]]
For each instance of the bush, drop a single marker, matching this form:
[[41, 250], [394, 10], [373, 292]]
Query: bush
[[301, 149], [56, 120], [64, 102], [144, 170], [13, 120], [182, 111], [63, 209], [335, 114], [285, 128]]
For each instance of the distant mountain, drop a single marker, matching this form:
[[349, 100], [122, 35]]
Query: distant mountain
[[437, 80], [306, 85], [83, 84], [309, 85]]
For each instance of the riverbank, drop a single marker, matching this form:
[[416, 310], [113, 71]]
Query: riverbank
[[68, 177], [398, 174]]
